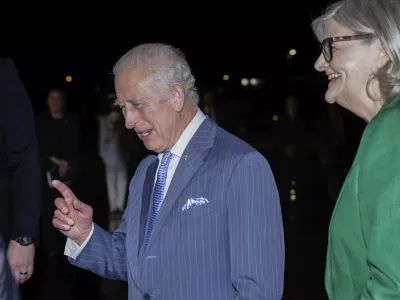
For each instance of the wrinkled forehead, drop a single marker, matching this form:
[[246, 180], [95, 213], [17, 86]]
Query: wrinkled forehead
[[129, 84]]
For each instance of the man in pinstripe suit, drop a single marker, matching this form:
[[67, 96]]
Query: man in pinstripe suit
[[203, 219]]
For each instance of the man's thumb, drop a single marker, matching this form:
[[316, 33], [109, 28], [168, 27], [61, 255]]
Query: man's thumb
[[83, 208]]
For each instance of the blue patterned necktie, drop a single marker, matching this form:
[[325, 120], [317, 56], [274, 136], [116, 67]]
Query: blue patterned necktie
[[158, 194]]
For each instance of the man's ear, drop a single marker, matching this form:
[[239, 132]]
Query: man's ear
[[178, 96]]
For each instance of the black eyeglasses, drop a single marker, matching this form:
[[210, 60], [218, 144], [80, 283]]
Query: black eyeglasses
[[326, 45]]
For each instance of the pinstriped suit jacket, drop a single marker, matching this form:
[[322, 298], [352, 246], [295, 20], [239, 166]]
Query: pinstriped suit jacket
[[229, 248]]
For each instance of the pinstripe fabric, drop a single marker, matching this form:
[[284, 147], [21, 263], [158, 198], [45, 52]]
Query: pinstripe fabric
[[229, 248]]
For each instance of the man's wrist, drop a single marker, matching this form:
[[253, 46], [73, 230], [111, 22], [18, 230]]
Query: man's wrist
[[82, 239], [24, 240]]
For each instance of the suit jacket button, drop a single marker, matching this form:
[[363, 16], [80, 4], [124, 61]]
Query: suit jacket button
[[146, 296]]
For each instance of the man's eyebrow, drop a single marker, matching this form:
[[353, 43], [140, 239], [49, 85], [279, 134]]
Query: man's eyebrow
[[119, 101]]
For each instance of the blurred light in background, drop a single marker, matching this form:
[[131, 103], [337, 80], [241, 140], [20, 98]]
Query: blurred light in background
[[253, 81], [292, 52], [293, 194], [226, 77], [244, 82], [68, 78]]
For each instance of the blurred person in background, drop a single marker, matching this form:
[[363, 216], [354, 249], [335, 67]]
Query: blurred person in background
[[114, 149], [209, 105], [58, 133]]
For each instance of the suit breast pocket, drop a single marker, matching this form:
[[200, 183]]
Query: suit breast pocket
[[200, 211]]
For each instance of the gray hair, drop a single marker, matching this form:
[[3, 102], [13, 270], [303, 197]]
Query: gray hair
[[164, 66], [379, 17]]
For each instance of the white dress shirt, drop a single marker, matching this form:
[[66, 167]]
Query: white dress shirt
[[72, 249]]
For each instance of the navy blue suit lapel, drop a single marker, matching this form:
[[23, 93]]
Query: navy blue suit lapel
[[191, 160]]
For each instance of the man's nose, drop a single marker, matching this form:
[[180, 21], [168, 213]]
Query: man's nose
[[131, 118]]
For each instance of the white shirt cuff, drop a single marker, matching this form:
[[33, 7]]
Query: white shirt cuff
[[72, 249]]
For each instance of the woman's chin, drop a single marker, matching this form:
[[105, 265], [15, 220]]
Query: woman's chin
[[329, 99]]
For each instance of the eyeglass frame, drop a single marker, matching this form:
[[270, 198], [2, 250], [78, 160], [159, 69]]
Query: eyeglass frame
[[331, 40]]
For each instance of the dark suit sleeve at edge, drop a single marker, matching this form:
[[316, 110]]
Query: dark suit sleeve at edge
[[22, 152]]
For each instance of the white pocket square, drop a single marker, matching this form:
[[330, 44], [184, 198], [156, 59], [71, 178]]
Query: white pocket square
[[193, 202]]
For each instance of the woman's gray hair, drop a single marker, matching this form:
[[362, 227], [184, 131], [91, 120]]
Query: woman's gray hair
[[380, 17], [164, 66]]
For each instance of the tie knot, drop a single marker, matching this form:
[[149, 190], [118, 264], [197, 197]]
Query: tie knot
[[166, 158]]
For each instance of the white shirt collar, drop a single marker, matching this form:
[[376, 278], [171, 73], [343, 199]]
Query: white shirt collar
[[187, 135]]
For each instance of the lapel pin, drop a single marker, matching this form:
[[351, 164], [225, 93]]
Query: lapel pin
[[185, 157]]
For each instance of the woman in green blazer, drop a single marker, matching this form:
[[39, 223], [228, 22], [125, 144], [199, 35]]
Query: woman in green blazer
[[360, 42]]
